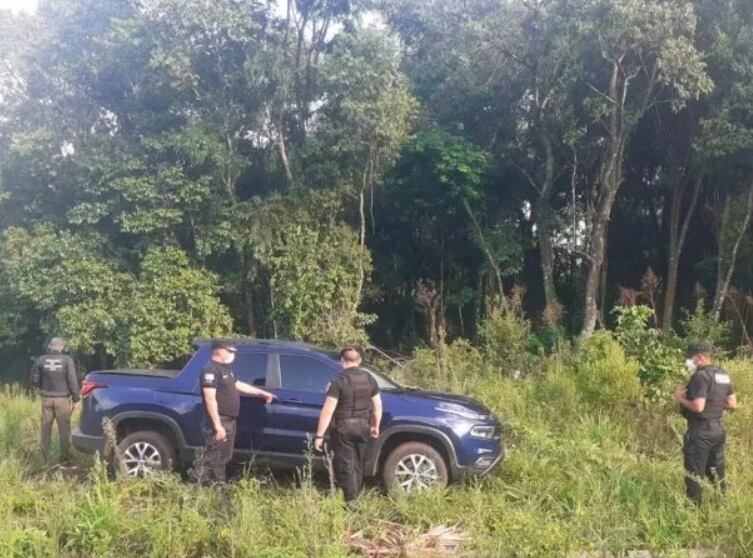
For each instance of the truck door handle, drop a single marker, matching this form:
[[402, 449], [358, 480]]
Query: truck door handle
[[292, 401]]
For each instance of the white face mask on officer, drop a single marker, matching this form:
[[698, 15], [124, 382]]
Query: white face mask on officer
[[229, 357], [691, 365]]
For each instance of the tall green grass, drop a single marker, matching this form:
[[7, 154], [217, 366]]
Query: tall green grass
[[591, 465]]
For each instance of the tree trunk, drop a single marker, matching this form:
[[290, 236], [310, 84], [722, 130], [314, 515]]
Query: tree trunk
[[598, 243], [609, 182], [545, 216], [593, 277], [284, 156], [724, 278], [677, 235], [487, 251], [546, 250], [362, 242]]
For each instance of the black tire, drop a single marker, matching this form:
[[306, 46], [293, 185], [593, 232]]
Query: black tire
[[430, 468], [143, 452]]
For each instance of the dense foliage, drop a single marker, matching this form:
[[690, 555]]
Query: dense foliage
[[393, 170]]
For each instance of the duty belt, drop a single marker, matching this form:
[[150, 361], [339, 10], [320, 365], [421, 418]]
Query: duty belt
[[701, 421], [342, 420]]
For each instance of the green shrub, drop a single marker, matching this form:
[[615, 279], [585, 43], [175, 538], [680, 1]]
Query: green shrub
[[659, 355], [505, 337], [546, 339], [605, 375], [452, 367], [700, 326], [25, 542]]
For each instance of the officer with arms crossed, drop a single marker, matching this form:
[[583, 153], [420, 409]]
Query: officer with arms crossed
[[353, 401], [221, 394], [703, 402], [54, 374]]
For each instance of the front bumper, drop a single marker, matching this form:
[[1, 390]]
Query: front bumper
[[87, 443], [483, 465]]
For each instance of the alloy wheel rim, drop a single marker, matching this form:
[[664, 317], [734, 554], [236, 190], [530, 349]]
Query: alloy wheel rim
[[141, 459], [416, 472]]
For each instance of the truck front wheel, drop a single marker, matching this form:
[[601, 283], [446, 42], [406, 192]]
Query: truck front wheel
[[414, 466]]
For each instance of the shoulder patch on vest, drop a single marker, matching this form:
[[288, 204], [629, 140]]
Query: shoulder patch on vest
[[721, 378], [209, 377]]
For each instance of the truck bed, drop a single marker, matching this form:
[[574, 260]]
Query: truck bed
[[140, 372]]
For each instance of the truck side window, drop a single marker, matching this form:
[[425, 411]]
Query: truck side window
[[251, 368], [305, 374]]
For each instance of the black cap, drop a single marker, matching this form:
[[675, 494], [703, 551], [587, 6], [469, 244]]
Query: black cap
[[695, 349], [222, 344]]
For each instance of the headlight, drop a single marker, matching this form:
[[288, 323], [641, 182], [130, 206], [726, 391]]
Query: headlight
[[484, 432], [459, 410]]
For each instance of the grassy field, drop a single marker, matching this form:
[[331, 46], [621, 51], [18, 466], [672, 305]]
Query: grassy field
[[591, 465]]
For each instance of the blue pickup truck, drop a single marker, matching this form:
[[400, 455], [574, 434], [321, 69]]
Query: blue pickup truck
[[427, 438]]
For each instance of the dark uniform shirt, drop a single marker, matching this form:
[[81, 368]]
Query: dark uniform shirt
[[55, 376], [220, 376], [714, 385], [353, 388]]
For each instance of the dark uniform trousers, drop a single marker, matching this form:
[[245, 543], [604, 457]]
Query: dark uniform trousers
[[59, 410], [349, 438], [210, 464], [703, 453]]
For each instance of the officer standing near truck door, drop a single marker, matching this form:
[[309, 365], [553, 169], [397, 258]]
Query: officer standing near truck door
[[703, 402], [54, 374], [221, 395], [354, 407]]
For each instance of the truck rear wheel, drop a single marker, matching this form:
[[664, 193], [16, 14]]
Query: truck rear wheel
[[414, 466], [144, 452]]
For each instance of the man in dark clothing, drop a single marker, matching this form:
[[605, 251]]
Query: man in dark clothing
[[221, 394], [54, 374], [354, 407], [703, 402]]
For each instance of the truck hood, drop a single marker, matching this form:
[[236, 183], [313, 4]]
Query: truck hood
[[433, 398]]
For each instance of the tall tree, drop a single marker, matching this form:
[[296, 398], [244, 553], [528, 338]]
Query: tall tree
[[530, 45], [727, 134], [634, 54], [367, 113]]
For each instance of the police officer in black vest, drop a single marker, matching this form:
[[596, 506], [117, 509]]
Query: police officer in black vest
[[354, 408], [54, 374], [703, 401], [221, 394]]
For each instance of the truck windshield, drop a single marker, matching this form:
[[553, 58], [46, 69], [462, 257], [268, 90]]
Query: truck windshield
[[384, 382]]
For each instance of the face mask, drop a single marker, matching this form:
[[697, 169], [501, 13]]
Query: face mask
[[691, 365], [230, 358]]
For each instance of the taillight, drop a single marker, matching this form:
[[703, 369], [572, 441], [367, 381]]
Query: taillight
[[87, 386]]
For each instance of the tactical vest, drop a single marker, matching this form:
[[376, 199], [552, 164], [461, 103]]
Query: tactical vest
[[720, 387], [53, 375], [718, 393], [355, 395]]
